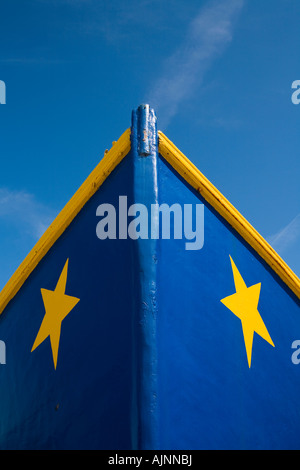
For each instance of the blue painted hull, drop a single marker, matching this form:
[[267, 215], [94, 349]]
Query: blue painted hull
[[149, 358]]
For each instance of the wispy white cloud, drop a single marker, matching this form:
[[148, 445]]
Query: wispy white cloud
[[208, 34], [287, 236], [287, 242], [23, 219], [20, 211]]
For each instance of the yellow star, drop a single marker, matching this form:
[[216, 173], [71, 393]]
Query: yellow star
[[57, 306], [244, 305]]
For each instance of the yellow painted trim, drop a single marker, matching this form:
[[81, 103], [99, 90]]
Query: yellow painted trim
[[199, 182], [110, 160]]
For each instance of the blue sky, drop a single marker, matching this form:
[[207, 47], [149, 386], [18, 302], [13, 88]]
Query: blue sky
[[218, 73]]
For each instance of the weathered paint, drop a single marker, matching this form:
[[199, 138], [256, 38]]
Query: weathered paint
[[145, 192], [144, 126]]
